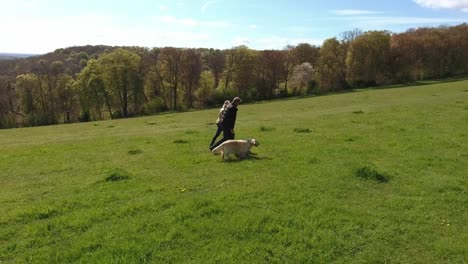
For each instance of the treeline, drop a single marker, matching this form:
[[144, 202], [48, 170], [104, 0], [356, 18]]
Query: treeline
[[101, 82]]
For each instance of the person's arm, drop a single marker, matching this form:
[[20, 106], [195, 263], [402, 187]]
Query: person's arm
[[234, 116]]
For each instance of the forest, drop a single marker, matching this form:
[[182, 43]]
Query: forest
[[87, 83]]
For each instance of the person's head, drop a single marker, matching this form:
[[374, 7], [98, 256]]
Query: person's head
[[226, 103], [236, 101]]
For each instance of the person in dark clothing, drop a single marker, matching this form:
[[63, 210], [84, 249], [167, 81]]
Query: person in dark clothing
[[228, 122]]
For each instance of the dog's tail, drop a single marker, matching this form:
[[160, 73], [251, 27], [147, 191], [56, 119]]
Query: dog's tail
[[217, 150]]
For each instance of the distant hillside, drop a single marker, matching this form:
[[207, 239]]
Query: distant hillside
[[12, 64], [12, 56]]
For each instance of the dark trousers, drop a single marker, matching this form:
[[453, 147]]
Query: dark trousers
[[227, 135], [220, 129]]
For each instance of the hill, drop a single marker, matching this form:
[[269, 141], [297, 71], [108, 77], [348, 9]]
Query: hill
[[372, 176], [14, 64], [12, 56]]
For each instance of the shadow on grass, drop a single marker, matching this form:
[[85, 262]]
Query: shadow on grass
[[302, 130], [135, 151], [181, 141], [252, 157], [267, 129]]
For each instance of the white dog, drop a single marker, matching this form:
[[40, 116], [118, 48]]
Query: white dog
[[239, 147]]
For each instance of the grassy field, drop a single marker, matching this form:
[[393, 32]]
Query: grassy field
[[372, 176]]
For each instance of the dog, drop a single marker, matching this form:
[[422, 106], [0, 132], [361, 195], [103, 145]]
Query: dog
[[239, 147]]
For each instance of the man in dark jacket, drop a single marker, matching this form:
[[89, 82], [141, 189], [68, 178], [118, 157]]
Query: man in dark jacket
[[229, 121]]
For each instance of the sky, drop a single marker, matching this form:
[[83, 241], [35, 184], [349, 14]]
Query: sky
[[41, 26]]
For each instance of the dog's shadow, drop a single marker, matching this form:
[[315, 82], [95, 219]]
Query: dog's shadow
[[252, 157]]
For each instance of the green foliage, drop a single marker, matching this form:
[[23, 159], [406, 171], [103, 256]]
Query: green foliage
[[155, 105], [83, 63], [302, 130], [370, 173], [135, 151], [82, 56], [367, 59], [331, 67], [206, 91], [120, 72], [295, 200], [85, 117], [117, 175]]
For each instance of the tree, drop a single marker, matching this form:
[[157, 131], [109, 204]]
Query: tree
[[92, 91], [302, 75], [8, 103], [367, 59], [289, 64], [457, 47], [32, 99], [231, 60], [190, 73], [206, 93], [216, 62], [122, 77], [349, 36], [49, 74], [406, 63], [67, 96], [243, 70], [330, 70], [171, 58], [155, 86], [271, 69], [304, 52]]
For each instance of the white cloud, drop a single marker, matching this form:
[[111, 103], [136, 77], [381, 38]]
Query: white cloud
[[452, 4], [163, 7], [253, 26], [189, 22], [366, 21], [206, 5], [18, 5], [353, 12], [165, 19]]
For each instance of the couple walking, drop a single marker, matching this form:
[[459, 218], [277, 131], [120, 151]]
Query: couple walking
[[226, 121]]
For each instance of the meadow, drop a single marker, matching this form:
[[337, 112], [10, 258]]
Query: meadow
[[369, 176]]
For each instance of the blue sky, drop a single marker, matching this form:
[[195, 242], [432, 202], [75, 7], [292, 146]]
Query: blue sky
[[40, 26]]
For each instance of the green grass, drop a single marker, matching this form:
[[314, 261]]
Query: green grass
[[148, 190]]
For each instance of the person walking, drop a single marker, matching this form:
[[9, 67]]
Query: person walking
[[229, 121], [219, 122]]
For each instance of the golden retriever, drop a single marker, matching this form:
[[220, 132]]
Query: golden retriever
[[239, 147]]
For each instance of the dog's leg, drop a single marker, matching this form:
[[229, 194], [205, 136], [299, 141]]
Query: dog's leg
[[222, 154]]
